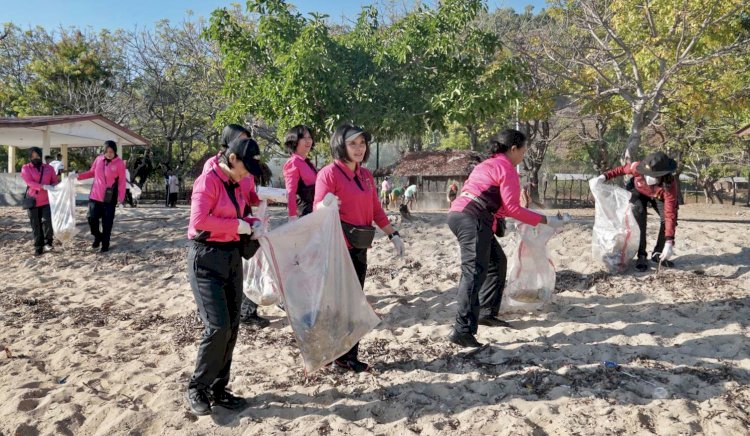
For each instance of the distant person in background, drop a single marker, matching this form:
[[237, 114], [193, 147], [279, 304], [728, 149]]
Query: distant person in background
[[411, 196], [174, 188], [385, 192], [128, 186], [396, 196], [108, 171], [299, 172], [452, 192], [57, 164], [39, 177]]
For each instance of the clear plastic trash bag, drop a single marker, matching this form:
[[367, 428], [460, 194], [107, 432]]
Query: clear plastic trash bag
[[279, 195], [616, 234], [324, 301], [531, 277], [259, 284], [62, 201]]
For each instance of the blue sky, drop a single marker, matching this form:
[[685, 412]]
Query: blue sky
[[128, 14]]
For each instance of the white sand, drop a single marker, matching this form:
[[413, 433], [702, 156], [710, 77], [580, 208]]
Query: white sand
[[104, 344]]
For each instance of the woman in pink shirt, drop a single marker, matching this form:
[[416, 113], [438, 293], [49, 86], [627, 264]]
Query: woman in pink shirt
[[491, 193], [214, 267], [299, 172], [108, 171], [39, 177], [359, 206]]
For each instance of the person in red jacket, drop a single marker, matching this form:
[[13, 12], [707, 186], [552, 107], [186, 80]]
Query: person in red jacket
[[491, 194], [110, 183], [39, 177], [299, 172], [359, 207], [652, 185]]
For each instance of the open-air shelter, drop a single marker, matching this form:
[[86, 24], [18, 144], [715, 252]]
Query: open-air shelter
[[63, 132]]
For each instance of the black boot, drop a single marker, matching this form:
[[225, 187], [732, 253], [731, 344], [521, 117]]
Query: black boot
[[255, 320], [464, 339], [228, 401], [198, 401], [642, 263], [492, 321]]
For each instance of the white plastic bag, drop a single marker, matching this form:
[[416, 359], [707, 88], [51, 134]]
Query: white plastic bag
[[135, 191], [278, 195], [259, 284], [531, 278], [62, 202], [616, 234], [324, 301]]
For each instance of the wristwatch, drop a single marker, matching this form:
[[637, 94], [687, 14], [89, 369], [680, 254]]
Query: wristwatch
[[393, 234]]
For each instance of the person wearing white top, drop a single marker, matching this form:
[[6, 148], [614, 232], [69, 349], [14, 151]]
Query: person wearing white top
[[57, 164], [174, 187]]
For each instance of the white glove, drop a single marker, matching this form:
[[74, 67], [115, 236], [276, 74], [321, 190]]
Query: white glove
[[243, 227], [601, 179], [73, 174], [258, 230], [555, 222], [668, 251], [292, 219], [48, 187], [398, 245]]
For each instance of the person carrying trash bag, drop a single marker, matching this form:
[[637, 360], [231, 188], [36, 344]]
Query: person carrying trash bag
[[220, 236], [39, 178], [652, 184], [491, 194], [359, 207], [110, 181], [249, 311], [299, 172]]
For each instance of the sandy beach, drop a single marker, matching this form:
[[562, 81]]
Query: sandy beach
[[103, 344]]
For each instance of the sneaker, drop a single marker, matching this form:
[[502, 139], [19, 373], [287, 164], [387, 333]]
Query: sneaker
[[668, 263], [226, 400], [464, 339], [255, 320], [97, 242], [352, 365], [492, 321], [198, 402], [641, 264], [48, 248]]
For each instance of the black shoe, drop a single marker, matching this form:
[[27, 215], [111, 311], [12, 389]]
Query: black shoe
[[352, 365], [641, 264], [38, 251], [105, 248], [228, 401], [198, 402], [255, 320], [492, 321], [464, 339], [97, 242], [668, 263]]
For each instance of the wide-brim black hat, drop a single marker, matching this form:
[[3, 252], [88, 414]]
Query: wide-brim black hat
[[248, 152], [657, 164]]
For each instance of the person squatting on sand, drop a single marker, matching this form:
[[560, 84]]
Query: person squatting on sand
[[220, 239], [359, 206], [299, 172], [652, 185], [39, 177], [249, 310], [108, 171], [491, 194]]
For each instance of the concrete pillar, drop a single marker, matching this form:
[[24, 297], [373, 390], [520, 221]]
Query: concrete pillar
[[46, 149], [11, 159], [64, 153]]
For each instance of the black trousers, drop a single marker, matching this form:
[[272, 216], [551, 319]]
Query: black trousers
[[41, 226], [483, 269], [248, 308], [215, 276], [359, 259], [129, 198], [172, 199], [104, 213], [640, 204]]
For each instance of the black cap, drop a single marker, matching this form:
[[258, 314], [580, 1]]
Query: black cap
[[248, 152], [657, 164]]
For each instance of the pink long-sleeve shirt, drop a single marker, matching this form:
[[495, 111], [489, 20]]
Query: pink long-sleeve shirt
[[246, 183], [31, 175], [496, 182], [360, 205], [297, 169], [211, 209], [104, 174]]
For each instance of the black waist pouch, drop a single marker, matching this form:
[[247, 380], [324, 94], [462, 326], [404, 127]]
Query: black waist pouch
[[28, 202], [248, 246], [499, 227], [358, 236]]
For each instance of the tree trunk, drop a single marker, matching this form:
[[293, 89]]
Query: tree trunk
[[634, 138], [473, 137], [415, 143]]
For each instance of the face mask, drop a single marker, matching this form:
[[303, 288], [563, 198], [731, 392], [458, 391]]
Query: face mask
[[651, 181], [37, 162]]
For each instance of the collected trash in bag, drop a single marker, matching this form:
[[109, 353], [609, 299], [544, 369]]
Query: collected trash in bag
[[135, 191], [259, 283], [324, 301], [278, 195], [62, 202], [531, 278], [616, 234]]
